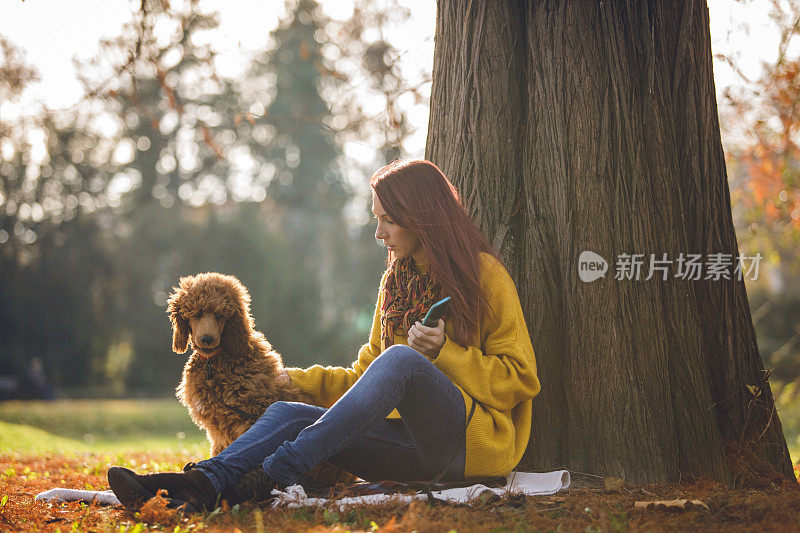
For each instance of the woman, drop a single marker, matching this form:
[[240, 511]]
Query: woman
[[448, 402]]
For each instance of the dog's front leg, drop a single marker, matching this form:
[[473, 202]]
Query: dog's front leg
[[217, 445], [216, 441]]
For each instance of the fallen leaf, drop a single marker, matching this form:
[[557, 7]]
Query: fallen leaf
[[672, 505], [391, 525]]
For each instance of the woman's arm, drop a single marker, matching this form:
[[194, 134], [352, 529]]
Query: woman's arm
[[326, 384]]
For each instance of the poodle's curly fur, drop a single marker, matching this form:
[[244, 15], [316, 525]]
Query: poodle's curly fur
[[245, 374]]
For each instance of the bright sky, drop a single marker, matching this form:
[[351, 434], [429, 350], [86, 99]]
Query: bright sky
[[53, 32]]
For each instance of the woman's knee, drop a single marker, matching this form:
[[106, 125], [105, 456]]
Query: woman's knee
[[401, 357], [292, 410]]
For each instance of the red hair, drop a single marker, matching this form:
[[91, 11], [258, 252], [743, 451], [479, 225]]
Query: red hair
[[418, 197]]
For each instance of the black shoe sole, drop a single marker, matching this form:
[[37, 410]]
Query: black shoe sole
[[133, 494]]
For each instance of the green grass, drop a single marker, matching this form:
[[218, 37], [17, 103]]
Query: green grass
[[26, 439], [66, 426]]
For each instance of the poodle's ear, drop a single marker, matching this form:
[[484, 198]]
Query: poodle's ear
[[236, 335], [180, 335], [180, 325]]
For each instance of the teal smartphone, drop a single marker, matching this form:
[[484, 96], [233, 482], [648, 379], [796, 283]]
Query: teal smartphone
[[435, 312]]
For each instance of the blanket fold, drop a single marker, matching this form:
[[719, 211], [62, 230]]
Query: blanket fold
[[527, 483]]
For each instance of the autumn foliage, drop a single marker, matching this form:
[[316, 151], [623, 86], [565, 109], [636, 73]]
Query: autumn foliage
[[583, 508], [772, 161]]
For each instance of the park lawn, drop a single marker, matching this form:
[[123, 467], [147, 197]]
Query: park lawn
[[73, 443], [108, 426], [23, 439]]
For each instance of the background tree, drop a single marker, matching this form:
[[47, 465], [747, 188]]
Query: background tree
[[301, 154], [193, 206], [167, 169], [569, 130], [368, 104], [306, 181], [47, 234], [367, 91], [174, 122], [15, 74]]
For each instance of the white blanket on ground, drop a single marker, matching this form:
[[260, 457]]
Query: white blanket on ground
[[74, 495], [528, 483]]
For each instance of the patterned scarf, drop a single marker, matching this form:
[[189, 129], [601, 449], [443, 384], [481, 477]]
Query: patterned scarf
[[404, 284]]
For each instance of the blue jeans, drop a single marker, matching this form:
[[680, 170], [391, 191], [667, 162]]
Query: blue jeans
[[291, 438]]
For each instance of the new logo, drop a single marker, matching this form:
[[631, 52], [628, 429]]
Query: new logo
[[591, 266]]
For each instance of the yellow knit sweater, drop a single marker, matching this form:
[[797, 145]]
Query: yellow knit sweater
[[497, 370]]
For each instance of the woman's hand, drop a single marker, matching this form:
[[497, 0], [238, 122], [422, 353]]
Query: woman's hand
[[427, 341]]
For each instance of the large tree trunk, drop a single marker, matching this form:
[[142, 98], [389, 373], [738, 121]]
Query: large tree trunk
[[571, 126]]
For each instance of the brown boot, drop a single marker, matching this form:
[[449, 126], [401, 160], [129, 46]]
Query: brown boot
[[191, 489], [254, 485]]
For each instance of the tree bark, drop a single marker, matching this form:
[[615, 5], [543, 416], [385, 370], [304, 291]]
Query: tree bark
[[569, 126]]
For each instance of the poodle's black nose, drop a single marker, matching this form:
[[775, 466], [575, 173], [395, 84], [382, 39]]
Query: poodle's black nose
[[206, 339]]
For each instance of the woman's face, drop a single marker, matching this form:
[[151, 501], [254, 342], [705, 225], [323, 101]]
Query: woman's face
[[403, 242]]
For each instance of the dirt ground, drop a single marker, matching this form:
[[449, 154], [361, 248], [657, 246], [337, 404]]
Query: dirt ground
[[607, 507]]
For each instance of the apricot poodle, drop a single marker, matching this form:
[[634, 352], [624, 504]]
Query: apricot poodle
[[233, 374]]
